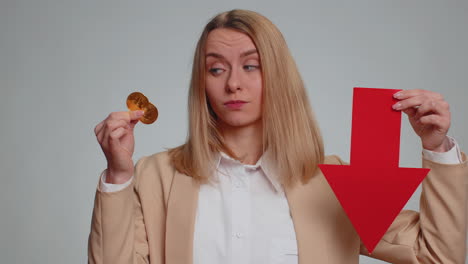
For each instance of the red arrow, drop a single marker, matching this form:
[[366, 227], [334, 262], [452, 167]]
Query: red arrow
[[372, 190]]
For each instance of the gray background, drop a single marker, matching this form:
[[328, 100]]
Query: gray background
[[64, 65]]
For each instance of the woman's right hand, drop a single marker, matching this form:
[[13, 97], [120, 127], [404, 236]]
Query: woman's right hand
[[115, 135]]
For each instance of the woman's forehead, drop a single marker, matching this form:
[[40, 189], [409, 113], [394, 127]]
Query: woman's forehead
[[228, 40]]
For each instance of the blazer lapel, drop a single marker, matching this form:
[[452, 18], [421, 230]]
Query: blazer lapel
[[323, 231], [292, 196], [180, 222]]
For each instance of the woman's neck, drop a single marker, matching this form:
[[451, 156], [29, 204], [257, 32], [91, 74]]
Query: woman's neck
[[246, 142]]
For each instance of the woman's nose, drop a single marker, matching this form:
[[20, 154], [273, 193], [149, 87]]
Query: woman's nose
[[233, 82]]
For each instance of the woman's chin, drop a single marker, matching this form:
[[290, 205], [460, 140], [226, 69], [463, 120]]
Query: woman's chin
[[239, 123]]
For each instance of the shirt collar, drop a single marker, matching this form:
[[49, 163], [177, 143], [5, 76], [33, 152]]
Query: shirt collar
[[266, 163]]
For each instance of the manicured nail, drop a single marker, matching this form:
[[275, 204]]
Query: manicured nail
[[397, 95], [397, 106]]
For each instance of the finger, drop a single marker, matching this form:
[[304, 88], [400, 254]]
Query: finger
[[109, 127], [135, 115], [112, 125], [411, 102], [405, 94], [100, 136], [112, 117], [119, 116], [98, 128], [431, 106], [101, 128], [133, 124], [433, 120], [410, 111], [114, 136]]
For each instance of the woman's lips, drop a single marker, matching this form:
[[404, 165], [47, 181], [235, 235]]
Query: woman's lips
[[234, 104]]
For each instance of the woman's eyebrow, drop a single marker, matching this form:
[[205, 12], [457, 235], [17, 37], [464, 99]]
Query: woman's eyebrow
[[219, 56], [216, 55], [247, 53]]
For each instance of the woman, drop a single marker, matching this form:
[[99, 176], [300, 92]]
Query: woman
[[245, 187]]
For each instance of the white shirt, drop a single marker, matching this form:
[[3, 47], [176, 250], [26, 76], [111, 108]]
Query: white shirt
[[244, 216]]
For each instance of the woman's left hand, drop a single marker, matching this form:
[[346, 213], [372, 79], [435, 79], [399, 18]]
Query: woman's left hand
[[429, 115]]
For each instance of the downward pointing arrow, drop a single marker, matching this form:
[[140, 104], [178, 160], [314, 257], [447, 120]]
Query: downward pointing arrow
[[372, 190]]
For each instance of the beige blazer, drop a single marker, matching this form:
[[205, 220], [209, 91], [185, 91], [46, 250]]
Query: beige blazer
[[152, 220]]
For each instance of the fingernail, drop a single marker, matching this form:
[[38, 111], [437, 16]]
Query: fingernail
[[397, 95], [141, 113], [396, 106]]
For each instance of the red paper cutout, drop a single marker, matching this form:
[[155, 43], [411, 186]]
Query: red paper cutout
[[372, 190]]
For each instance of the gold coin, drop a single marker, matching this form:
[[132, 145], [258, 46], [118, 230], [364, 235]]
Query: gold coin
[[138, 101], [151, 114]]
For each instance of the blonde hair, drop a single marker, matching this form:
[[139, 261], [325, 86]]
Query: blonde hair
[[290, 131]]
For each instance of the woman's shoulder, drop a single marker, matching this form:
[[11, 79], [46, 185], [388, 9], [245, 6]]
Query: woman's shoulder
[[333, 159], [154, 169], [158, 159], [161, 158]]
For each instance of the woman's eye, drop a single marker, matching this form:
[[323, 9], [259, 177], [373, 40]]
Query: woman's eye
[[215, 71], [250, 67]]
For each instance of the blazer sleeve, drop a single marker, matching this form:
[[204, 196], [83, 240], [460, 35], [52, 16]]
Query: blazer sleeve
[[117, 227], [437, 234]]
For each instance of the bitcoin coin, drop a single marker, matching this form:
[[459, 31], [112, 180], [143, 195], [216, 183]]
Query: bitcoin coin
[[151, 114], [138, 101]]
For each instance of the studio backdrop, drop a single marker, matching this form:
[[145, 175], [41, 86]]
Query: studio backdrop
[[65, 65]]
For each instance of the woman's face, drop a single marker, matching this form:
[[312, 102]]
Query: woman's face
[[233, 78]]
